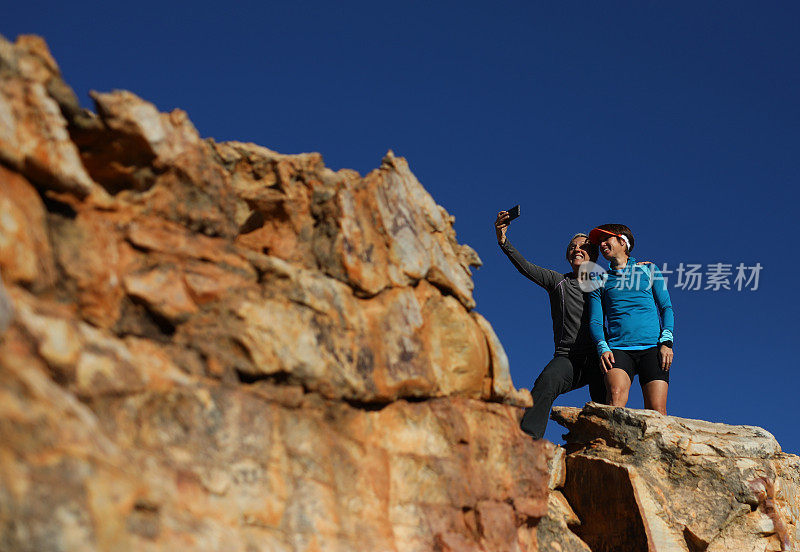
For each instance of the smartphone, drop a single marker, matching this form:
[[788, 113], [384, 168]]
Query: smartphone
[[513, 213]]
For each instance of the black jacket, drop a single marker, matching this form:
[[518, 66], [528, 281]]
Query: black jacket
[[568, 306]]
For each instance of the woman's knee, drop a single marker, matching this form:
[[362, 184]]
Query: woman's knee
[[617, 391], [618, 384]]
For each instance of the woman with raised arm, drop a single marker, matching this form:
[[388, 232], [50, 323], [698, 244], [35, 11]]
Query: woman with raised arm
[[574, 363], [637, 338]]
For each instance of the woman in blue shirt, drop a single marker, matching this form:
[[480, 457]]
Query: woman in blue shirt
[[636, 306]]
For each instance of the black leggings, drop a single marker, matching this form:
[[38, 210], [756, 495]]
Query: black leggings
[[562, 374]]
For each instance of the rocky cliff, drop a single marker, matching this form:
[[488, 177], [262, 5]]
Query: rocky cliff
[[213, 346], [638, 480]]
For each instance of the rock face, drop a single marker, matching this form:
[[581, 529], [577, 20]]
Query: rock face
[[638, 480], [218, 347], [215, 347]]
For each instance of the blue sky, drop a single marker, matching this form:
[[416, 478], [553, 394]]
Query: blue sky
[[679, 119]]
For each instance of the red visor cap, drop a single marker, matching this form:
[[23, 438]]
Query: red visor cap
[[598, 234]]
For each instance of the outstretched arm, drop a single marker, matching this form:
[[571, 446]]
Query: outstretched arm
[[544, 277]]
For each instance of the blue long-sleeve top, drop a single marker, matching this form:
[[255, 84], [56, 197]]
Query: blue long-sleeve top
[[637, 308]]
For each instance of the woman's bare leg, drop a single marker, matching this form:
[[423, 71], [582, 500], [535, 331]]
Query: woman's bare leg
[[617, 386], [655, 395]]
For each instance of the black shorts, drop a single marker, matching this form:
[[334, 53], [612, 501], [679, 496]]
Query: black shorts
[[644, 362]]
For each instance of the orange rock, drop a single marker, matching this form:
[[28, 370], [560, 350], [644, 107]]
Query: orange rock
[[33, 133], [671, 483], [220, 347], [25, 252], [158, 162], [95, 260], [208, 282], [164, 291], [501, 386], [455, 344], [497, 522], [277, 191], [6, 309], [176, 242], [360, 244]]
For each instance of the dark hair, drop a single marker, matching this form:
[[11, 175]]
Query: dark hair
[[619, 229], [589, 247]]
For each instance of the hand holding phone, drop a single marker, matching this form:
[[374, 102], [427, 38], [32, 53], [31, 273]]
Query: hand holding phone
[[501, 224]]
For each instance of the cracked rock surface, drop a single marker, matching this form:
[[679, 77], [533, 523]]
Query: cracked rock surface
[[638, 480], [214, 346]]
